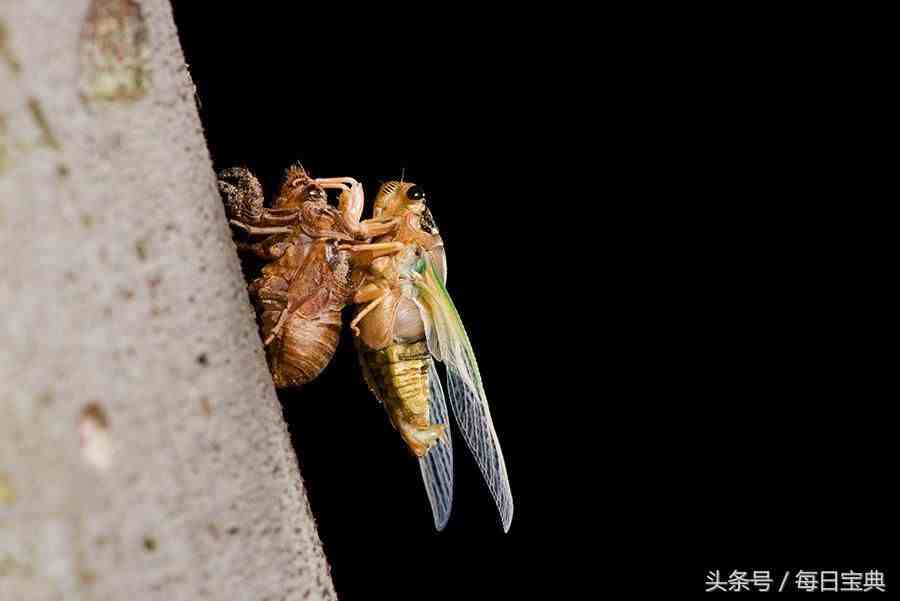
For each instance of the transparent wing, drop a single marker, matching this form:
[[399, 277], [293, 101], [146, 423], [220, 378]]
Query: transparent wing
[[448, 342], [474, 419], [437, 464]]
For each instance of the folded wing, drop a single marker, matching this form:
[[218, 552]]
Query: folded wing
[[448, 342], [437, 464]]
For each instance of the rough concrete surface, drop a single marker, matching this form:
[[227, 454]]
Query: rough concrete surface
[[143, 454]]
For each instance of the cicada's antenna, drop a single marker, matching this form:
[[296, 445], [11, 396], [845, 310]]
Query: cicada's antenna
[[402, 173]]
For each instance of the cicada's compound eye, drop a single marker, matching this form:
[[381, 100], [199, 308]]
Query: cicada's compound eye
[[415, 193]]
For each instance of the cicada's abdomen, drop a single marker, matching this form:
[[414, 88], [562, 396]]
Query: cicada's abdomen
[[305, 348], [299, 298], [398, 376]]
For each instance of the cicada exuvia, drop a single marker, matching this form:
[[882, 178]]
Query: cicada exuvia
[[305, 283], [405, 321]]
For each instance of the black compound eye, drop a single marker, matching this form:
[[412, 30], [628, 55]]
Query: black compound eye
[[415, 193]]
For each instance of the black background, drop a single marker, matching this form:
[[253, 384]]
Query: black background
[[670, 303]]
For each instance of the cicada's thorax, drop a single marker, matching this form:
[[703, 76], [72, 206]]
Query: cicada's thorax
[[391, 341]]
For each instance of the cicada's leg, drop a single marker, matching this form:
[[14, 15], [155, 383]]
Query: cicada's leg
[[260, 231], [378, 249], [367, 293], [371, 228], [352, 199], [272, 296], [270, 249], [278, 326]]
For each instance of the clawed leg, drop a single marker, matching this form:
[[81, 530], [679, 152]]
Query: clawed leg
[[278, 326], [352, 197], [276, 216], [260, 231], [351, 204], [337, 180]]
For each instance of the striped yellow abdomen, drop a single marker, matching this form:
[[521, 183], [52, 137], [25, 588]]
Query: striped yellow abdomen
[[398, 375]]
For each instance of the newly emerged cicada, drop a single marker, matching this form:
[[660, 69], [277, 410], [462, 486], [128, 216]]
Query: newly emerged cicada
[[406, 321], [305, 283]]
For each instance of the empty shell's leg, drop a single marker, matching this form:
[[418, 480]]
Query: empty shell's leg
[[352, 197], [346, 181], [260, 231], [278, 326], [270, 249]]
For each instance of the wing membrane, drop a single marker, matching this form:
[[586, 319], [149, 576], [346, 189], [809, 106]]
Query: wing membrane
[[437, 464], [448, 341]]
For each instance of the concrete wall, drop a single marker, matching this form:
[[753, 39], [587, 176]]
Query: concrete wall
[[143, 454]]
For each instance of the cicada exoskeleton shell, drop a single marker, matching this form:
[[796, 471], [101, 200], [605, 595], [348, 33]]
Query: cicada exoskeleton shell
[[305, 284]]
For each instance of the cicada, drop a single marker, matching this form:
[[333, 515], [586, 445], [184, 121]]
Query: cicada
[[404, 323], [306, 281]]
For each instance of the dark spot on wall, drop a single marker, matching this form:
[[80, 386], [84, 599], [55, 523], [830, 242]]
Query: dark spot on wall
[[213, 531], [4, 152], [6, 51], [37, 114], [140, 249], [7, 495], [149, 543], [202, 359], [87, 577], [97, 448], [95, 413]]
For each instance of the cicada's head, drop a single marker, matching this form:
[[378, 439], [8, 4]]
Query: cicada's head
[[298, 187], [396, 197]]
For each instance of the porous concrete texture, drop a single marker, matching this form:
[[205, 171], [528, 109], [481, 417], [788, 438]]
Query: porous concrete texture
[[143, 454]]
